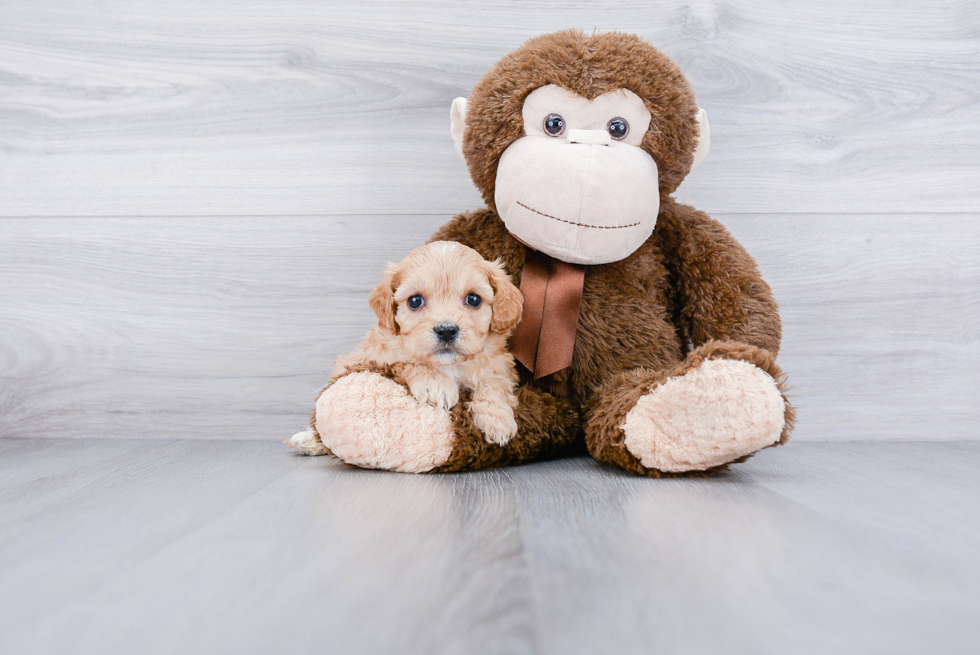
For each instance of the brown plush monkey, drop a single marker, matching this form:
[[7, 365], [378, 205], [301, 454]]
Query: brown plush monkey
[[647, 328]]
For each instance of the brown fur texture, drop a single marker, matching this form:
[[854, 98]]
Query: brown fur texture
[[637, 312], [589, 65], [546, 426]]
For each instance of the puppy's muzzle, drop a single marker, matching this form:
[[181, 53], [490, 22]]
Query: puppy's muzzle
[[447, 332]]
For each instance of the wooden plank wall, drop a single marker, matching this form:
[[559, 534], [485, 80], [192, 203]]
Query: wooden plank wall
[[197, 196]]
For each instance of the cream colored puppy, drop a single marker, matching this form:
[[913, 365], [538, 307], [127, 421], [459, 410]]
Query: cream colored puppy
[[444, 315]]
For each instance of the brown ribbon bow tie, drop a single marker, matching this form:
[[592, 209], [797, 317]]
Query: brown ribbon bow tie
[[545, 338]]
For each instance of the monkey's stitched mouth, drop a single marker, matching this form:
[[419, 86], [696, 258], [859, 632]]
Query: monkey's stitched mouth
[[562, 220]]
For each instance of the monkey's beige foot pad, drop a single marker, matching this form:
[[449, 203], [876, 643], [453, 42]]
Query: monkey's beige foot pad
[[367, 420], [716, 413]]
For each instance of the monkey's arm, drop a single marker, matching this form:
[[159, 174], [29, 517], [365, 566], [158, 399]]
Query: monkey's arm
[[721, 294]]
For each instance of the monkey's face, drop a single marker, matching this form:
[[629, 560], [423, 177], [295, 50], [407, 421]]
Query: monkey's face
[[578, 186], [574, 138]]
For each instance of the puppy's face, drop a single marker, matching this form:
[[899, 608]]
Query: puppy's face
[[444, 300]]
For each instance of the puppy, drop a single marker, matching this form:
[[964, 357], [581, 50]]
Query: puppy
[[444, 315]]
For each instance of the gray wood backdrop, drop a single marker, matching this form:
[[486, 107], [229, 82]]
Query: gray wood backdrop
[[197, 196]]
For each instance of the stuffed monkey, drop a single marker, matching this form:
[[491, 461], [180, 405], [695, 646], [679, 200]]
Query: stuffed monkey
[[647, 330]]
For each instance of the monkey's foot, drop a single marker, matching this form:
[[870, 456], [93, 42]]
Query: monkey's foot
[[721, 411], [719, 406], [371, 421]]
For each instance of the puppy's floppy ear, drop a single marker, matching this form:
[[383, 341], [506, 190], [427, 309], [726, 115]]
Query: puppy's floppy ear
[[382, 299], [507, 299]]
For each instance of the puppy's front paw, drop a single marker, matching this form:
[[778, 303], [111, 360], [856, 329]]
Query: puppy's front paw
[[443, 394], [496, 423]]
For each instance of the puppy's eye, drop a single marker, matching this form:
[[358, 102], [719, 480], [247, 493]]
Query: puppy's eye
[[554, 125], [474, 300], [618, 128], [415, 301]]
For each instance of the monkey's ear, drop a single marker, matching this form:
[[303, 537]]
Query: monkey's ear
[[704, 138], [382, 300], [508, 302], [457, 116]]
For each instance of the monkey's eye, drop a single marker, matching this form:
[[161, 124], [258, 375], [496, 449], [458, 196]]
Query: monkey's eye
[[554, 125], [618, 128], [473, 300], [415, 301]]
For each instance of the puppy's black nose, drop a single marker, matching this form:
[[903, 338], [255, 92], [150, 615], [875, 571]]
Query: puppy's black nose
[[446, 331]]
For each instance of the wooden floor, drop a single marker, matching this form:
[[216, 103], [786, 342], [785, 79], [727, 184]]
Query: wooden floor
[[216, 546]]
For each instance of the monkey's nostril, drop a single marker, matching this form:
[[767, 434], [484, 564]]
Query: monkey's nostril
[[446, 331]]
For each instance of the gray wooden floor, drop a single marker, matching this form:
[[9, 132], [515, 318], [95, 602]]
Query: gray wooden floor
[[208, 546]]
